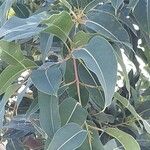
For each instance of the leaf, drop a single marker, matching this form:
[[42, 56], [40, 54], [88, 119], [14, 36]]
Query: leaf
[[142, 15], [59, 25], [8, 93], [95, 91], [21, 10], [125, 139], [95, 56], [146, 125], [69, 137], [127, 105], [48, 105], [11, 73], [132, 4], [107, 25], [83, 4], [116, 4], [18, 28], [4, 8], [65, 3], [34, 107], [92, 141], [92, 5], [112, 143], [11, 53], [81, 39], [143, 109], [46, 41], [47, 79], [72, 111], [123, 66]]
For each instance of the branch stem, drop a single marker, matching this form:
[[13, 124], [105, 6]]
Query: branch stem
[[77, 79]]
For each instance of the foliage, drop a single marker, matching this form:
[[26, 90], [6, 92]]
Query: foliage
[[61, 62]]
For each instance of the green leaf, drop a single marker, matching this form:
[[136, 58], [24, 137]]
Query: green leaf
[[143, 108], [17, 28], [65, 3], [4, 8], [95, 56], [8, 93], [21, 10], [127, 105], [112, 143], [69, 137], [123, 66], [132, 4], [46, 41], [59, 25], [72, 111], [11, 73], [92, 141], [116, 4], [95, 91], [48, 105], [47, 79], [125, 139], [146, 125], [142, 15], [11, 53], [81, 39], [92, 5], [107, 25]]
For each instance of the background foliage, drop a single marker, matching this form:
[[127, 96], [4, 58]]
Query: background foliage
[[75, 74]]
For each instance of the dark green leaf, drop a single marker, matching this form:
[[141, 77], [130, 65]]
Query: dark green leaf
[[59, 25], [47, 79], [96, 55], [107, 25], [49, 106], [69, 137], [142, 15], [125, 139], [72, 111]]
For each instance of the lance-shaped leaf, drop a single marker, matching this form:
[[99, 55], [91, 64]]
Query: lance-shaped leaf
[[22, 28], [81, 39], [59, 25], [4, 8], [95, 56], [21, 10], [92, 4], [123, 66], [127, 141], [46, 41], [47, 79], [95, 92], [132, 4], [11, 73], [69, 137], [142, 15], [11, 54], [8, 93], [127, 104], [107, 25], [72, 111], [92, 141], [116, 4], [48, 105]]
